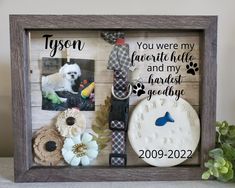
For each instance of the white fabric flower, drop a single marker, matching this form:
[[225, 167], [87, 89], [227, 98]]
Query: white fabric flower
[[71, 123], [80, 150]]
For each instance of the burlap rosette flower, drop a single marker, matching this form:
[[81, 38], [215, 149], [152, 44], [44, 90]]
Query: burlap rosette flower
[[71, 123], [47, 147]]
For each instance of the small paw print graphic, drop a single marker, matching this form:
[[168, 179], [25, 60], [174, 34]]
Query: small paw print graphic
[[192, 68], [138, 89]]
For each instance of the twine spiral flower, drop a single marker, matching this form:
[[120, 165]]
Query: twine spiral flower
[[80, 150], [71, 123], [47, 147]]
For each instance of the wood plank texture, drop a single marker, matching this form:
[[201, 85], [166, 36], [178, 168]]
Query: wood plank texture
[[104, 89], [49, 117], [7, 178], [96, 48]]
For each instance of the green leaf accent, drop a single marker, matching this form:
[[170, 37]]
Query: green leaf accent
[[209, 163], [231, 132], [229, 151], [221, 164], [215, 153], [226, 177], [101, 125], [206, 175], [224, 170], [215, 172]]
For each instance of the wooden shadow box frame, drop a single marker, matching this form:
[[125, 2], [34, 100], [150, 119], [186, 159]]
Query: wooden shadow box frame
[[20, 25]]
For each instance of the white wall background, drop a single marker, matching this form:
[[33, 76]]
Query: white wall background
[[226, 42]]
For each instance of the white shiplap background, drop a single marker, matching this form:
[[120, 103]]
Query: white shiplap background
[[96, 48]]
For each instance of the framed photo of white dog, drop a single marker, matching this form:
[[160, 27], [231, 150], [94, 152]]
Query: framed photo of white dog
[[112, 98], [65, 84]]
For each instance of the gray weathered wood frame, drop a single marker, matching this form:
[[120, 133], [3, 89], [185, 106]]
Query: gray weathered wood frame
[[19, 30]]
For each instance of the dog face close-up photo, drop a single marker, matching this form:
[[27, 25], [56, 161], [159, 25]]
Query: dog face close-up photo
[[62, 80], [70, 71], [62, 83]]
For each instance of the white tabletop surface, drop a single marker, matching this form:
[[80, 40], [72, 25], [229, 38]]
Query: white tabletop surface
[[6, 181]]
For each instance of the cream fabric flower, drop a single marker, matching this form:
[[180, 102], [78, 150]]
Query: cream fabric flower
[[71, 123], [80, 150], [47, 147]]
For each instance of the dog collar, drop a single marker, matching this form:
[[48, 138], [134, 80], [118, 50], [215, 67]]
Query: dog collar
[[119, 62]]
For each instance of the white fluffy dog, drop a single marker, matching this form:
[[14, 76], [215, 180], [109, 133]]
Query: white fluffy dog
[[62, 80]]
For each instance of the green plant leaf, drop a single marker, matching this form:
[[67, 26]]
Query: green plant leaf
[[206, 175], [215, 172], [222, 128], [224, 124], [224, 131], [209, 163], [223, 170], [218, 124], [229, 151], [231, 132], [226, 177], [217, 165], [222, 163], [215, 153]]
